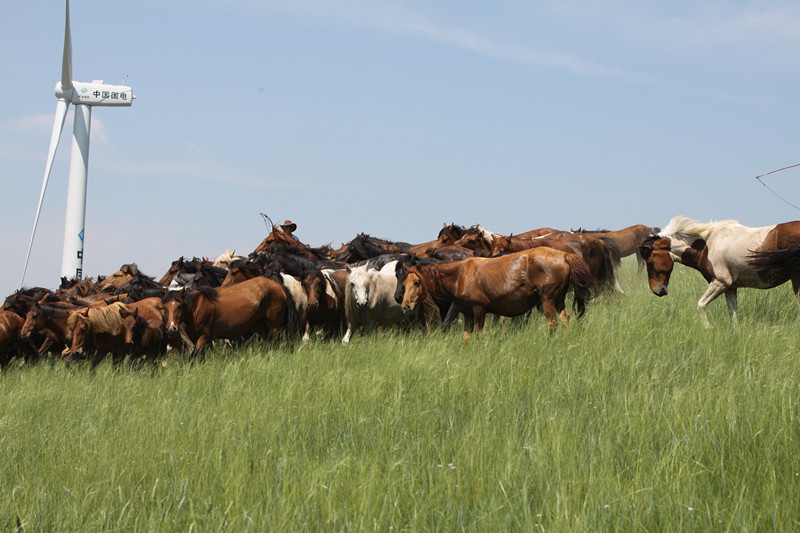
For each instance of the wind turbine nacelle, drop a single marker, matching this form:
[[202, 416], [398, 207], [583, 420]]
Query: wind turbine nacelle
[[96, 93]]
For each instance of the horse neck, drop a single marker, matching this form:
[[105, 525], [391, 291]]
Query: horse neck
[[438, 278]]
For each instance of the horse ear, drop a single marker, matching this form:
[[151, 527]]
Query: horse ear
[[349, 268]]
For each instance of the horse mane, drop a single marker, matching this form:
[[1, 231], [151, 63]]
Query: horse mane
[[454, 229], [687, 229], [584, 230], [106, 319]]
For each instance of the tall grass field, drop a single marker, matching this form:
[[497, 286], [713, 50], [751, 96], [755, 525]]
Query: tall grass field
[[636, 419]]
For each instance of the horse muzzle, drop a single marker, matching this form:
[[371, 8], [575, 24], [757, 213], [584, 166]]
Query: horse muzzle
[[660, 291]]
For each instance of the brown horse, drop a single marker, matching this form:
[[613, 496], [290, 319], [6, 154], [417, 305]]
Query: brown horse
[[143, 328], [276, 237], [119, 278], [49, 321], [98, 329], [182, 266], [601, 254], [629, 241], [230, 312], [10, 326], [509, 285]]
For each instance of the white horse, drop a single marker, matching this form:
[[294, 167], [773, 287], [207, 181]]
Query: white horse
[[725, 253], [369, 298]]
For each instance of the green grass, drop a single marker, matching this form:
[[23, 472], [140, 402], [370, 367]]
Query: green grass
[[636, 419]]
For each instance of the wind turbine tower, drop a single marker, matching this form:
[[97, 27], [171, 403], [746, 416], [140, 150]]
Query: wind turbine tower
[[83, 96]]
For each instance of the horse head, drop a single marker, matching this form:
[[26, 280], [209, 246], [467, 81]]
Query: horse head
[[132, 325], [415, 290], [358, 285], [656, 252]]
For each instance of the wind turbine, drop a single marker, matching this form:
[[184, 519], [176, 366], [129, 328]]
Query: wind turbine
[[83, 96]]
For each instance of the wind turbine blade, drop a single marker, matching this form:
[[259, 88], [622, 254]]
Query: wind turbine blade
[[58, 125], [66, 64]]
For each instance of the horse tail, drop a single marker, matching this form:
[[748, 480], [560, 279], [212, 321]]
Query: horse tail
[[612, 259], [584, 285], [292, 323], [777, 266]]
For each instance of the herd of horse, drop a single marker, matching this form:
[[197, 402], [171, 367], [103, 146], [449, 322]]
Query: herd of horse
[[288, 291]]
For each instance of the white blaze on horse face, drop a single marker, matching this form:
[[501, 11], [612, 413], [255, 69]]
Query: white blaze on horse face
[[172, 316]]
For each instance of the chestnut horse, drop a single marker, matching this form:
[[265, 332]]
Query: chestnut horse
[[508, 285], [727, 254], [99, 329], [49, 321], [143, 328], [629, 241], [232, 312], [601, 254]]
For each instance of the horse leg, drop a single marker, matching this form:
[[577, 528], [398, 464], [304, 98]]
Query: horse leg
[[450, 317], [469, 325], [480, 317], [730, 298], [99, 355], [549, 310], [307, 333], [715, 288], [348, 333], [796, 286]]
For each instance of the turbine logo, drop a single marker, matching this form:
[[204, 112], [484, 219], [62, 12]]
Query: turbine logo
[[84, 90], [80, 235]]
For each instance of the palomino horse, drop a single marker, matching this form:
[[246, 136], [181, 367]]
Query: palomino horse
[[509, 285], [724, 252], [207, 313]]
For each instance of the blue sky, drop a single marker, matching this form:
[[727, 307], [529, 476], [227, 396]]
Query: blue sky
[[392, 118]]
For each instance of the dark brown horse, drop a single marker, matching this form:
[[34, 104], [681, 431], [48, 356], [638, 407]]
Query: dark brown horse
[[325, 292], [230, 312], [509, 285], [365, 246], [10, 326], [181, 266]]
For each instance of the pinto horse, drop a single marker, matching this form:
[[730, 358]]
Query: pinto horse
[[205, 314], [325, 292], [725, 252], [509, 285]]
